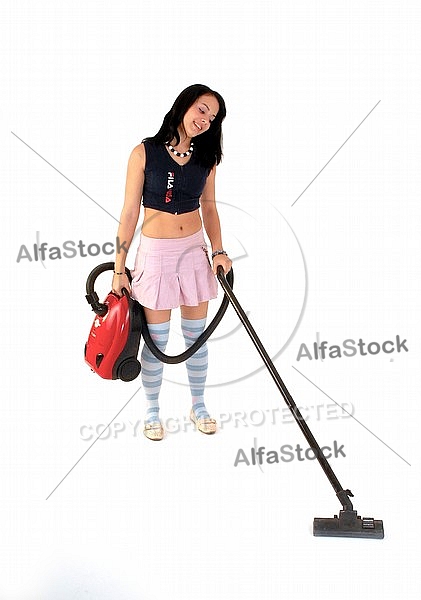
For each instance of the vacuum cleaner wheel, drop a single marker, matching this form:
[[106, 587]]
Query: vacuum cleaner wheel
[[129, 369]]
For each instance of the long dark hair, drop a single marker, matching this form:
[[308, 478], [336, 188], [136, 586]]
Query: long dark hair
[[207, 145]]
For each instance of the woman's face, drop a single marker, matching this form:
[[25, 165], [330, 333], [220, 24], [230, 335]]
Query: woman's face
[[200, 115]]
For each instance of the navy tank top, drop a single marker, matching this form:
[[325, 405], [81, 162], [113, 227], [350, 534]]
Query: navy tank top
[[168, 186]]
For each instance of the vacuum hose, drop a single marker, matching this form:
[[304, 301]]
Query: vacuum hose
[[101, 309]]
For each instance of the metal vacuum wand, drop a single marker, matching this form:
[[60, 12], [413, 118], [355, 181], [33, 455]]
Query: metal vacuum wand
[[348, 524]]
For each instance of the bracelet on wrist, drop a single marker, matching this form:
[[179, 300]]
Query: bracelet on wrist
[[217, 252], [116, 273]]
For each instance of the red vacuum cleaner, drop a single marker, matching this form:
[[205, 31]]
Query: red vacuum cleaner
[[113, 343]]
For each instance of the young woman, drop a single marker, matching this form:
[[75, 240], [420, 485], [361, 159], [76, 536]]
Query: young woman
[[174, 171]]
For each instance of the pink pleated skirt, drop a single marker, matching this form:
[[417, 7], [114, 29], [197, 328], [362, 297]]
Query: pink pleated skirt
[[169, 273]]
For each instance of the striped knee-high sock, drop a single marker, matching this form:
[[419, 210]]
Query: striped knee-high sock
[[152, 369], [197, 365]]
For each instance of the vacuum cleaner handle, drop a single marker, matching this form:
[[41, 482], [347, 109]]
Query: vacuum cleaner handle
[[343, 495], [91, 296]]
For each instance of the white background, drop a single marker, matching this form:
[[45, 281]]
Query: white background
[[137, 520]]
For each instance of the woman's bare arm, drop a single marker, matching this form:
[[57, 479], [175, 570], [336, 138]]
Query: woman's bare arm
[[212, 223], [130, 212]]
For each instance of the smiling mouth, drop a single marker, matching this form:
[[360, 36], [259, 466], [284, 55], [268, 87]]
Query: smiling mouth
[[198, 126]]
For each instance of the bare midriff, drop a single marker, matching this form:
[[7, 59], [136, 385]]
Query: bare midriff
[[159, 224]]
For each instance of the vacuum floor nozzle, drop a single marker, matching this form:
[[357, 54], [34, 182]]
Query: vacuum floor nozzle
[[349, 525]]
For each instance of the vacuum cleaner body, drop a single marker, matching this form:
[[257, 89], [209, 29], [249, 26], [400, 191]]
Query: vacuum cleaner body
[[113, 342]]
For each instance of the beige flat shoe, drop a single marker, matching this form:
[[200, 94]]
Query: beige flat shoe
[[206, 425], [154, 431]]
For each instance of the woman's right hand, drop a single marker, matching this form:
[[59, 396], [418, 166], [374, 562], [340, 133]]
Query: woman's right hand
[[120, 282]]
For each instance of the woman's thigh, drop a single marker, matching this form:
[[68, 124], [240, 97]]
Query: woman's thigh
[[157, 316], [187, 312], [195, 312]]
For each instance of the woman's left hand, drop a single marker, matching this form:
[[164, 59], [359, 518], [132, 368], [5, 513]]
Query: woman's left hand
[[224, 261]]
